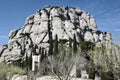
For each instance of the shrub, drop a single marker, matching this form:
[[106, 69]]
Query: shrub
[[9, 70], [86, 46]]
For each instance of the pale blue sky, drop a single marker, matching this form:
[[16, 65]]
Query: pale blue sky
[[14, 12]]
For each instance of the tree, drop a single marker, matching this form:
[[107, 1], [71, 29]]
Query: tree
[[29, 62], [74, 44], [65, 69], [50, 46], [56, 45], [42, 55], [86, 46], [70, 42]]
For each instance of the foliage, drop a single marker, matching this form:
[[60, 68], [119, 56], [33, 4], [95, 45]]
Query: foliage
[[99, 59], [56, 45], [63, 65], [70, 42], [62, 17], [86, 46], [98, 32], [50, 46], [74, 44], [9, 70], [42, 55], [29, 62], [107, 75]]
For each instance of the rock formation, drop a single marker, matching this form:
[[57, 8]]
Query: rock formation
[[68, 23], [46, 23]]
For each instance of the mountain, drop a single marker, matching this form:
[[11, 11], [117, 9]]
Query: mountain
[[52, 25], [45, 24]]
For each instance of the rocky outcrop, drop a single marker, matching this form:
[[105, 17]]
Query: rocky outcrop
[[19, 77], [47, 22]]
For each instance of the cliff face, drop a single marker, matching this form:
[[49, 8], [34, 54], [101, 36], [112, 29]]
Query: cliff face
[[40, 27]]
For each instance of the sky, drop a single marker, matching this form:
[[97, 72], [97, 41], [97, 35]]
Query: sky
[[13, 14]]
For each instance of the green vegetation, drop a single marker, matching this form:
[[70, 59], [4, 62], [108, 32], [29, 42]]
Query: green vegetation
[[51, 46], [42, 55], [74, 44], [9, 70], [107, 76], [56, 45], [86, 46], [62, 17], [98, 59]]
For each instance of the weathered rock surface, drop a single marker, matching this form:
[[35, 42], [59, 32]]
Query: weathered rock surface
[[63, 21], [19, 77], [24, 77]]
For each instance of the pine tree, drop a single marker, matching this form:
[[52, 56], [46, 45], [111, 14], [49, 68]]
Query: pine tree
[[70, 47], [74, 44], [45, 53], [40, 50], [30, 61], [56, 45], [70, 42], [42, 55], [50, 46]]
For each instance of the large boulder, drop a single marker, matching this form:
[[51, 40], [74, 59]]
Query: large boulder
[[88, 36], [19, 77]]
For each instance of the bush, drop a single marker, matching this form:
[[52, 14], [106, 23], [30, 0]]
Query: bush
[[86, 46], [9, 70], [107, 76]]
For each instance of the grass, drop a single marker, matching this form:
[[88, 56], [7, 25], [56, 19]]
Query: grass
[[9, 70]]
